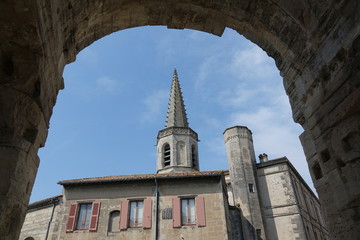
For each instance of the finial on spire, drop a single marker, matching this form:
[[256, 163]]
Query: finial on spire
[[176, 115]]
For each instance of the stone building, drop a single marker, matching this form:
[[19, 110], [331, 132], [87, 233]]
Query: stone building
[[250, 201]]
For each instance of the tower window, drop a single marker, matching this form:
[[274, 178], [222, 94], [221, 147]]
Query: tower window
[[167, 155], [193, 156], [251, 187]]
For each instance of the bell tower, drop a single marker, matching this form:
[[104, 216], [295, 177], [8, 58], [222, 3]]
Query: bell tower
[[177, 143]]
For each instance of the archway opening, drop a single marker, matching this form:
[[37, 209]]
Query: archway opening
[[106, 120]]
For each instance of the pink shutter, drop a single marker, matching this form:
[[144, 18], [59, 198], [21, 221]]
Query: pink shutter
[[70, 225], [124, 215], [94, 216], [176, 212], [200, 211], [147, 213]]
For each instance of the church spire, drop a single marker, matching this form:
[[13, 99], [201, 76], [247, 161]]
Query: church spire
[[176, 115], [177, 144]]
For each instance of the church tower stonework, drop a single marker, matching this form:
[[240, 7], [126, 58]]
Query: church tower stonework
[[242, 169], [177, 144]]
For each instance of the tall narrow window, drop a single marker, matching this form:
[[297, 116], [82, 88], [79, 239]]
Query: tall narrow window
[[136, 213], [84, 216], [251, 187], [167, 155], [188, 211], [193, 156]]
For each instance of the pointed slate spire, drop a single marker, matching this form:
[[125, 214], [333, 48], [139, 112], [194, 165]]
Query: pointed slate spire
[[176, 115]]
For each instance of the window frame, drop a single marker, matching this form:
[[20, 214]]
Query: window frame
[[73, 216], [190, 214], [86, 215], [136, 214]]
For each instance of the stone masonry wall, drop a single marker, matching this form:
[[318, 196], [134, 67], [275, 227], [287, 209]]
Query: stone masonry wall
[[315, 44], [111, 195], [37, 222]]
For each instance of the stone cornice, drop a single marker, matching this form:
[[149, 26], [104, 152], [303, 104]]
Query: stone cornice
[[177, 130]]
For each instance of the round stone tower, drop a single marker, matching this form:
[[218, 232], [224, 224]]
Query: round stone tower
[[242, 169]]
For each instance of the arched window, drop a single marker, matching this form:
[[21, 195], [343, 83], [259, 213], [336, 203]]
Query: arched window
[[193, 156], [167, 155], [29, 238], [114, 220]]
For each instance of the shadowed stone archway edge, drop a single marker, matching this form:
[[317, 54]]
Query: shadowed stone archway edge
[[315, 46]]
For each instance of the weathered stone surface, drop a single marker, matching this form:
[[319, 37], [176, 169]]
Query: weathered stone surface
[[315, 45]]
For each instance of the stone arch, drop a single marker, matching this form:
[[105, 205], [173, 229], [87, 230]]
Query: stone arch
[[315, 45], [114, 221]]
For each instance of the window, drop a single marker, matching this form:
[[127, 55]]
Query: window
[[258, 233], [188, 211], [167, 155], [193, 156], [136, 213], [114, 219], [83, 216], [251, 187]]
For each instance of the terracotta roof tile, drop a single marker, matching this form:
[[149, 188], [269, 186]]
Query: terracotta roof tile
[[137, 177]]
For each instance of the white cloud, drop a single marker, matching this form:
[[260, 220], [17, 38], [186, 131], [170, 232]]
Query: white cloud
[[275, 133], [107, 84], [203, 73], [155, 104], [252, 62], [237, 96]]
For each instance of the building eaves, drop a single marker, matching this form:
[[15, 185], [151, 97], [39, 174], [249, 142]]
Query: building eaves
[[140, 177], [44, 202]]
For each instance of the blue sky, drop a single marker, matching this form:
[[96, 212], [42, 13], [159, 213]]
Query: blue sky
[[106, 120]]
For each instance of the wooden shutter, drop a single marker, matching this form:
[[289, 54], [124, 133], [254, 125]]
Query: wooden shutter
[[94, 216], [176, 212], [70, 225], [147, 213], [124, 215], [200, 211]]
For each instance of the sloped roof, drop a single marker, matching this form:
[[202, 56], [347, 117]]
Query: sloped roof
[[141, 177]]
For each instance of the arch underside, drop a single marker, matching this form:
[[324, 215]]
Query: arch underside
[[315, 46]]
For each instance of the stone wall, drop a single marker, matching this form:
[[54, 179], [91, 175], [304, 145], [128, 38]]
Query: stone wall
[[290, 209], [315, 44], [111, 195], [40, 221]]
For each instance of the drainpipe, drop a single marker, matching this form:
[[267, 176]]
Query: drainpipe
[[51, 217], [156, 209]]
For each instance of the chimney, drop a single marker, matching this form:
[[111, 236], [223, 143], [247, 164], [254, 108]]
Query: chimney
[[263, 157]]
